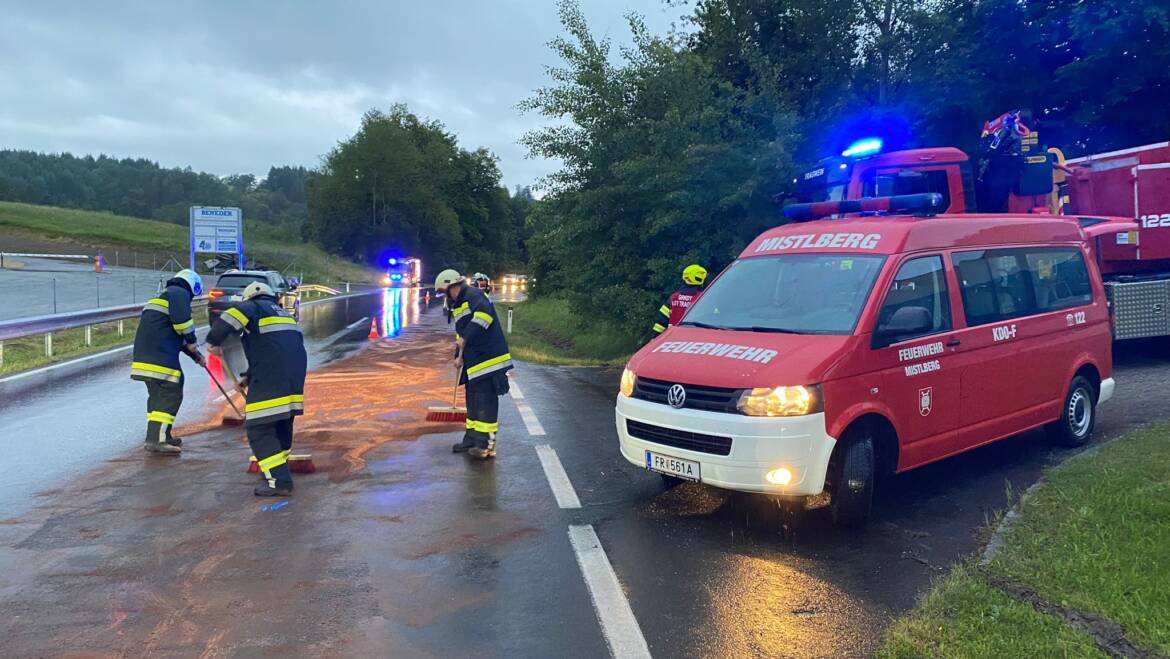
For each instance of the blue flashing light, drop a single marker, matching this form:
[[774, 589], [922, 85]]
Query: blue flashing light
[[393, 261], [866, 147], [396, 277]]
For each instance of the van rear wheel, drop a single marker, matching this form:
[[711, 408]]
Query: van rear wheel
[[852, 482], [1078, 416]]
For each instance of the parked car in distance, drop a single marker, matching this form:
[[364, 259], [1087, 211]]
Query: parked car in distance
[[231, 284]]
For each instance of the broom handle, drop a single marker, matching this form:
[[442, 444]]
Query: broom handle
[[222, 391]]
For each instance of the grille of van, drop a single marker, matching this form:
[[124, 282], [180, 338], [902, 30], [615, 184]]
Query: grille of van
[[691, 441], [714, 399]]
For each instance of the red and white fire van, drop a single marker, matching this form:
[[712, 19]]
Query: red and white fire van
[[833, 351]]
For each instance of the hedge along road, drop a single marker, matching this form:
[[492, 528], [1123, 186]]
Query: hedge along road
[[399, 547]]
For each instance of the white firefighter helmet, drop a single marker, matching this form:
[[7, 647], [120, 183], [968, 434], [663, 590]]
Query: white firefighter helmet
[[193, 280], [257, 288], [446, 279]]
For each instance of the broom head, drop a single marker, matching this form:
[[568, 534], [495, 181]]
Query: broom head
[[229, 420], [297, 464], [447, 414]]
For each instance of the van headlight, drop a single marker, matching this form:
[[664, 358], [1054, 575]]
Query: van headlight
[[628, 381], [782, 401]]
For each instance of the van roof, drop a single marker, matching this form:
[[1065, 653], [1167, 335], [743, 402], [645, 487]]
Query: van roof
[[898, 234]]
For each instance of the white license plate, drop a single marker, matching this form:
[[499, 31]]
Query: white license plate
[[234, 298], [665, 464]]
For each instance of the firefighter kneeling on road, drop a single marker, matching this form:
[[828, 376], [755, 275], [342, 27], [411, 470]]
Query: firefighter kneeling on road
[[165, 330], [694, 277], [275, 379], [483, 358]]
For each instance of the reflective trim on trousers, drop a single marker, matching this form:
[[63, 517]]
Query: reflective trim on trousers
[[483, 426], [272, 462], [161, 417]]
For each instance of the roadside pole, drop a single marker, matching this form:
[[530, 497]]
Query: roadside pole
[[509, 320]]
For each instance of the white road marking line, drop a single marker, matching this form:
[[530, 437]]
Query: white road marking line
[[618, 623], [358, 322], [526, 413], [558, 480]]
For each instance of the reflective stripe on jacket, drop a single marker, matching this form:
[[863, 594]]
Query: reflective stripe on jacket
[[485, 351], [163, 329], [277, 362]]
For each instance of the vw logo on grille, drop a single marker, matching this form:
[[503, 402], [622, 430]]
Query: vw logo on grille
[[676, 396]]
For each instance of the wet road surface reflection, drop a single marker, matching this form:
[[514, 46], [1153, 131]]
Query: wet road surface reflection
[[51, 434]]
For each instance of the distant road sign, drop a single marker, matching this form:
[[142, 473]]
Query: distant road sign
[[217, 230]]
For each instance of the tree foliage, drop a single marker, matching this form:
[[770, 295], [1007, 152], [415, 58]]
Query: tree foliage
[[672, 148], [141, 188], [402, 186]]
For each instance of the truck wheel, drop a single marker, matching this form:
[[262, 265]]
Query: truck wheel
[[852, 482], [1078, 415]]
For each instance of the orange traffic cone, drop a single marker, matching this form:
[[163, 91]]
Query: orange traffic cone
[[373, 329]]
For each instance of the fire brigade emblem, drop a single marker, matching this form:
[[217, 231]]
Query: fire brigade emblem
[[925, 400], [676, 396]]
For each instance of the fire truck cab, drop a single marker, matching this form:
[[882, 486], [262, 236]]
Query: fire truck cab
[[835, 350]]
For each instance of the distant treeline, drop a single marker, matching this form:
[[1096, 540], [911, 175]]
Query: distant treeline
[[141, 188]]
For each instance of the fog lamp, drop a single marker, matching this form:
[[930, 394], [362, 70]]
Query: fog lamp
[[781, 476]]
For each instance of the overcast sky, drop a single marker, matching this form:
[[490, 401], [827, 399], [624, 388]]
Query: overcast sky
[[230, 86]]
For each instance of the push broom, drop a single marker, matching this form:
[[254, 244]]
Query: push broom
[[448, 414], [238, 419]]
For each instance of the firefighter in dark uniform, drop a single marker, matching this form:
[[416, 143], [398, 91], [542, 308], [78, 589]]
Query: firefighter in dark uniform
[[482, 354], [164, 330], [694, 277], [275, 379]]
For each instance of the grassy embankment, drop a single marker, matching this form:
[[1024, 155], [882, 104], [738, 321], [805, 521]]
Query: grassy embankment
[[265, 244], [106, 230], [547, 331], [1093, 538]]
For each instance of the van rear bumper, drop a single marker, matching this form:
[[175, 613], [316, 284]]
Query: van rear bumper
[[1107, 386], [758, 445]]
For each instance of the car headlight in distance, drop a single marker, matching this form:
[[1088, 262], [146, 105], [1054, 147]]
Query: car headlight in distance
[[782, 401], [628, 380]]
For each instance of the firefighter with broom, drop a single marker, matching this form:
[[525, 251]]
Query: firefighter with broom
[[275, 380], [482, 360], [164, 330]]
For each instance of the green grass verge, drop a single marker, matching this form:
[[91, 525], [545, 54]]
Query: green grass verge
[[964, 617], [547, 331], [1094, 537], [264, 243]]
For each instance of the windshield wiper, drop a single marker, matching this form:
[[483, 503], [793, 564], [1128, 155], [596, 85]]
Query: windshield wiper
[[774, 330], [695, 323]]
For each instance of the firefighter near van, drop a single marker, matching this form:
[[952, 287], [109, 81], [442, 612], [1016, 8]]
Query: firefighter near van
[[483, 360], [275, 380], [694, 277], [165, 330]]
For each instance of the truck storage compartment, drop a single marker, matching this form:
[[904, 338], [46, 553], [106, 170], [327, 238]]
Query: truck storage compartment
[[1139, 308]]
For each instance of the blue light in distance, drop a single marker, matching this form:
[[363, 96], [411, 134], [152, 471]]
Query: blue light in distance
[[393, 261], [866, 147]]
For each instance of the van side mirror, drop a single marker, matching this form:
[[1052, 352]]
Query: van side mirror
[[906, 322]]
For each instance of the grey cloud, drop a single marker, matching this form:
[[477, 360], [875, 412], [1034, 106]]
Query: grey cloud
[[238, 86]]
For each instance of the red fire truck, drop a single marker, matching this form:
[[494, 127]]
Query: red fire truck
[[1016, 173]]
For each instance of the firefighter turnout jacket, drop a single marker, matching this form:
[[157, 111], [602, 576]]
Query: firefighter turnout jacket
[[484, 349], [680, 301], [277, 362], [163, 330]]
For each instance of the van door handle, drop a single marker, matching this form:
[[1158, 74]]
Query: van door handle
[[952, 344]]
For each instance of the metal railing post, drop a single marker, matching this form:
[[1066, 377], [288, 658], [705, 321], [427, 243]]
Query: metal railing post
[[48, 344], [1, 354], [54, 295], [97, 287], [121, 328], [88, 335]]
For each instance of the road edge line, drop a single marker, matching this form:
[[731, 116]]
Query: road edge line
[[557, 477], [618, 624]]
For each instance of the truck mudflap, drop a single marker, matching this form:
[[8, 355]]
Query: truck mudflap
[[1140, 308]]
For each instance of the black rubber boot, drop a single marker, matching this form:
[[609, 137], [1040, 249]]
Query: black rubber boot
[[162, 448], [484, 450], [463, 446], [278, 491]]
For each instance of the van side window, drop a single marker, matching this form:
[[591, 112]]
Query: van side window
[[920, 287], [1059, 278], [995, 284]]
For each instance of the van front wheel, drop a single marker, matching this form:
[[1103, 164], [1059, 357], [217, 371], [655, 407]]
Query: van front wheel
[[1078, 416], [852, 482]]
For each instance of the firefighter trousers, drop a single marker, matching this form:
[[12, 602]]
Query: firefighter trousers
[[162, 404], [271, 444], [483, 408]]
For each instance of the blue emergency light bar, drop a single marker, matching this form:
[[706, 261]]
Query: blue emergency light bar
[[927, 203], [866, 147], [393, 261]]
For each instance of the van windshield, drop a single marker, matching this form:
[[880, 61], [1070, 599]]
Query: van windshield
[[795, 293]]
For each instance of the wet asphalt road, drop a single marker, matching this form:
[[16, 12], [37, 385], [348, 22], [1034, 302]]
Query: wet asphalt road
[[47, 286], [398, 548]]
